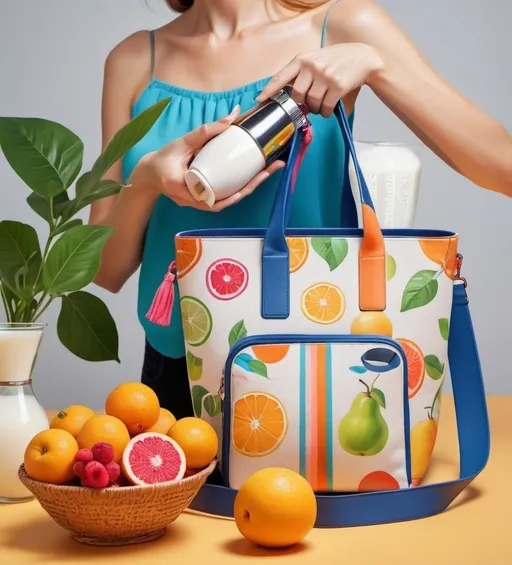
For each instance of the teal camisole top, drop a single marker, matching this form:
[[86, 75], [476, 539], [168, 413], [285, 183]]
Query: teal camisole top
[[317, 199]]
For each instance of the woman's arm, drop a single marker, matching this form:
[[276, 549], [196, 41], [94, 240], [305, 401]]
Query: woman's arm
[[461, 134]]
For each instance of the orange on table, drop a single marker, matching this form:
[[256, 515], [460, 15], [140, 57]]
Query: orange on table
[[442, 251], [50, 456], [136, 405], [323, 303], [378, 480], [270, 353], [104, 428], [197, 439], [259, 424], [299, 252], [164, 423], [72, 419], [188, 253], [275, 507], [415, 365], [370, 322]]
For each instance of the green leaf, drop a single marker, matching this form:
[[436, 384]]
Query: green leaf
[[102, 189], [86, 327], [194, 367], [238, 331], [444, 328], [212, 405], [258, 368], [434, 367], [44, 154], [332, 250], [390, 267], [123, 140], [20, 257], [379, 397], [74, 260], [419, 291], [41, 205], [10, 302], [198, 393], [67, 226]]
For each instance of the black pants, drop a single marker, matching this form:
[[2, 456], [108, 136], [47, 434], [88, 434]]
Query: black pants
[[169, 379]]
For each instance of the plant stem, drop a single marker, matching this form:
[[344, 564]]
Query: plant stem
[[7, 307], [38, 314]]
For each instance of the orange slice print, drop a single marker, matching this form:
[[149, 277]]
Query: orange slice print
[[188, 253], [299, 252], [443, 252], [415, 365], [259, 424], [323, 303]]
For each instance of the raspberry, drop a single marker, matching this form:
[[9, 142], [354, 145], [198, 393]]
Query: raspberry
[[95, 475], [113, 471], [84, 455], [79, 469], [103, 452]]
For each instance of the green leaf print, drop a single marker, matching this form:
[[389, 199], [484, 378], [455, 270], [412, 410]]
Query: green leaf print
[[332, 250], [379, 397], [198, 393], [258, 368], [212, 405], [390, 267], [194, 367], [444, 328], [238, 331], [435, 369], [419, 291]]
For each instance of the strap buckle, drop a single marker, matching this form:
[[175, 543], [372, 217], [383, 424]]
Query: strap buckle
[[457, 276]]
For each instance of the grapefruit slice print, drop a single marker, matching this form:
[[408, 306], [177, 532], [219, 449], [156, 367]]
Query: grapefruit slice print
[[415, 365], [226, 279]]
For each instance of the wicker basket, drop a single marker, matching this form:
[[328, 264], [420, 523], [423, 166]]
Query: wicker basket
[[116, 516]]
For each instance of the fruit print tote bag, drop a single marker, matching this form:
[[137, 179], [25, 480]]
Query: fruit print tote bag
[[325, 351]]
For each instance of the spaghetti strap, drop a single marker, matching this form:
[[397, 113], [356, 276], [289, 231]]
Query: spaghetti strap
[[326, 21], [152, 52]]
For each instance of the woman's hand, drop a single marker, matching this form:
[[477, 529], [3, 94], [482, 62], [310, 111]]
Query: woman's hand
[[163, 171], [321, 78]]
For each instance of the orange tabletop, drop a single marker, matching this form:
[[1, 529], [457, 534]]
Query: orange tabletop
[[475, 530]]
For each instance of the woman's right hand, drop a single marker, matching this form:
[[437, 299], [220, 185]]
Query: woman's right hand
[[164, 171]]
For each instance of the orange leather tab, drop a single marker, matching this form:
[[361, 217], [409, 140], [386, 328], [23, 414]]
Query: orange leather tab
[[372, 264]]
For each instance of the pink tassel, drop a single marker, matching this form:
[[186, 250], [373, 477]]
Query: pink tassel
[[308, 138], [161, 308]]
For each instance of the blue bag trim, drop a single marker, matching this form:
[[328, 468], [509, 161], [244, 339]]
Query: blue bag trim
[[336, 511], [380, 353]]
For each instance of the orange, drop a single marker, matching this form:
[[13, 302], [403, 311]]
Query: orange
[[299, 252], [104, 428], [50, 456], [323, 303], [164, 423], [259, 424], [378, 480], [372, 323], [443, 252], [270, 353], [72, 419], [198, 440], [275, 507], [415, 365], [423, 439], [136, 405], [188, 253]]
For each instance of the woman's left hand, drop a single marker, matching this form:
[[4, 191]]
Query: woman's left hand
[[321, 78]]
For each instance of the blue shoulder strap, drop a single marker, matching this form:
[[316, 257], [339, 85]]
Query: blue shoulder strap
[[338, 510]]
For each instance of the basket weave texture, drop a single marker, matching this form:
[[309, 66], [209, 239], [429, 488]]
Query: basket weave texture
[[116, 516]]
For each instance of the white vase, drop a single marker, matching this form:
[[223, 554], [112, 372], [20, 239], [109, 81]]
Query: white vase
[[21, 414], [392, 172]]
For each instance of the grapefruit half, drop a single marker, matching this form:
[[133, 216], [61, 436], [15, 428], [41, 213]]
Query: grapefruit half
[[226, 279], [152, 458]]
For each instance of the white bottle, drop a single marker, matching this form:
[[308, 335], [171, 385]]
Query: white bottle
[[229, 161]]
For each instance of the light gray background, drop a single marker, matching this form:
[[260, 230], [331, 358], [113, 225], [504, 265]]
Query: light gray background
[[51, 64]]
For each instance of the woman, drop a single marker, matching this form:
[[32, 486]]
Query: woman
[[210, 61]]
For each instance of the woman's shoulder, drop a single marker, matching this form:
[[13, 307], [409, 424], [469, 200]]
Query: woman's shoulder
[[350, 19]]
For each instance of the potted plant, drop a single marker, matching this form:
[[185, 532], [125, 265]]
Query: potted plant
[[48, 157]]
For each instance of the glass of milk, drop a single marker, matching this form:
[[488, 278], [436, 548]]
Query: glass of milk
[[21, 414], [392, 172]]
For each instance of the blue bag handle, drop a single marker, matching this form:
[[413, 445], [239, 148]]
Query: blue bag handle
[[370, 508], [275, 300]]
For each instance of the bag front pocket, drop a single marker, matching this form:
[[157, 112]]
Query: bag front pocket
[[333, 408]]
